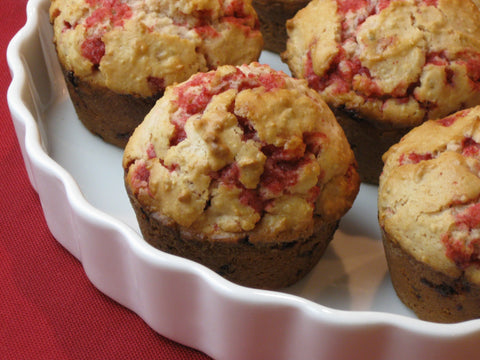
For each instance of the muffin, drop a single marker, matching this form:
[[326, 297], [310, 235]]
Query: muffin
[[243, 169], [273, 15], [119, 55], [385, 67], [429, 214]]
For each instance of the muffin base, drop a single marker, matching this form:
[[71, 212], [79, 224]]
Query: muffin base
[[273, 16], [432, 295], [368, 143], [105, 113], [266, 265]]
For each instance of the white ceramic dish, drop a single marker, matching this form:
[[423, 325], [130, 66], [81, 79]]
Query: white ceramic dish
[[345, 309]]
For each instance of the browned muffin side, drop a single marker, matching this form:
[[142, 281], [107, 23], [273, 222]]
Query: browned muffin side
[[271, 264], [368, 141], [92, 104], [273, 15], [432, 295]]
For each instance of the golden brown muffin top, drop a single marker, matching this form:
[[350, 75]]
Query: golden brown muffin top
[[241, 149], [140, 46], [394, 62], [430, 190]]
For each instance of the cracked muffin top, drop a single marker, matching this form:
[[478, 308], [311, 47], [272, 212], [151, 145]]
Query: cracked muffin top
[[430, 190], [241, 149], [141, 46], [394, 62]]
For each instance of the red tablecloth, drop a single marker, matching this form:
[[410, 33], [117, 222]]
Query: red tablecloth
[[48, 308]]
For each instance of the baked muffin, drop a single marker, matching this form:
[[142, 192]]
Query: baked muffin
[[243, 169], [429, 213], [385, 67], [119, 55], [273, 15]]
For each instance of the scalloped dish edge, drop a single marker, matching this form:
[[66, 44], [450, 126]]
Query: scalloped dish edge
[[185, 301]]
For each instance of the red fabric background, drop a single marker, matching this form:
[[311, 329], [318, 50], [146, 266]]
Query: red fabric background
[[48, 308]]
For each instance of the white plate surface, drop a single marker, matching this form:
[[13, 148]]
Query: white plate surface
[[345, 308]]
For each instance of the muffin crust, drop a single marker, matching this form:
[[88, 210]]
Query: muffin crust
[[387, 65], [119, 55], [140, 46], [242, 154], [428, 208], [397, 62]]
